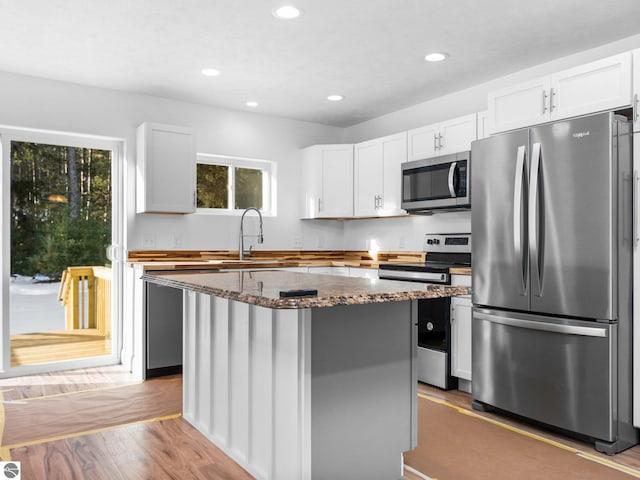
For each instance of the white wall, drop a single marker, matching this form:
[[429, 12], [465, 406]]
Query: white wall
[[50, 105]]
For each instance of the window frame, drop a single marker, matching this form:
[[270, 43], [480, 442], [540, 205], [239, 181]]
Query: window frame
[[268, 169]]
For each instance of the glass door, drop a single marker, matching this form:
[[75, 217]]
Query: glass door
[[61, 281]]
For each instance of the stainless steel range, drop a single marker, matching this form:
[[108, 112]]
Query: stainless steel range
[[443, 251]]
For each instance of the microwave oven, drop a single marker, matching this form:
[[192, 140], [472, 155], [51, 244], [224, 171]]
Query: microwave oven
[[437, 184]]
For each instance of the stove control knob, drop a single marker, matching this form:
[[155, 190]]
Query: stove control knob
[[436, 241], [430, 241]]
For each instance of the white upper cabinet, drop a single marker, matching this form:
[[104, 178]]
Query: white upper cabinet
[[636, 90], [601, 85], [166, 169], [519, 105], [377, 188], [327, 181], [451, 136]]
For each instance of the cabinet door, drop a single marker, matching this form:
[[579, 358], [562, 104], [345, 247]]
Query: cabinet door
[[337, 182], [423, 142], [394, 153], [519, 105], [166, 181], [367, 178], [311, 185], [461, 337], [596, 86], [457, 134]]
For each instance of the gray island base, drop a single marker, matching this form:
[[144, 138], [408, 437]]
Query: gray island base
[[298, 391]]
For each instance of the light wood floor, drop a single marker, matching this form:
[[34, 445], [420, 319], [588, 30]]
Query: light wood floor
[[100, 424], [46, 347]]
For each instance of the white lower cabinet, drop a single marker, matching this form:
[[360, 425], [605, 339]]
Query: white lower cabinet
[[461, 331]]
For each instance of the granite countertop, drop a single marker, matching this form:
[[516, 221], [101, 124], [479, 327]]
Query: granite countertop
[[263, 287]]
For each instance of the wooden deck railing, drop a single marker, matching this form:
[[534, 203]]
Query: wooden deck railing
[[85, 293]]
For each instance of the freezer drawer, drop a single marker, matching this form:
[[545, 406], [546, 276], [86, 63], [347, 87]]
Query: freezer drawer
[[558, 372]]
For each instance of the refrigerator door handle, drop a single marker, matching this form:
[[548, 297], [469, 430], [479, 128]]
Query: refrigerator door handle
[[521, 265], [452, 172], [636, 209], [534, 224], [543, 326]]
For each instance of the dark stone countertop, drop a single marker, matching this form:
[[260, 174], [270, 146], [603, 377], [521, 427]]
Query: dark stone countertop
[[263, 287]]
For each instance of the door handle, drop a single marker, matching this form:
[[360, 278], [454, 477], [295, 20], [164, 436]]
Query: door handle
[[635, 209], [440, 144], [551, 97], [543, 326], [435, 142], [544, 102], [636, 113], [518, 196], [452, 172], [534, 224]]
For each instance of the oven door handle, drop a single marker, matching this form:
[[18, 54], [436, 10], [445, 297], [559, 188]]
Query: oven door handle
[[452, 173]]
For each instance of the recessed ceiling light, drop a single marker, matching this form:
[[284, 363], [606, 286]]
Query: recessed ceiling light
[[210, 72], [436, 57], [335, 98], [251, 103], [287, 12]]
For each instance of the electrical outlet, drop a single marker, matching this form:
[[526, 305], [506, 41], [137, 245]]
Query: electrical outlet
[[402, 243], [177, 241], [149, 241], [320, 242], [297, 242]]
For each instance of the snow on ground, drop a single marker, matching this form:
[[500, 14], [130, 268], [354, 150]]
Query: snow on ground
[[34, 307]]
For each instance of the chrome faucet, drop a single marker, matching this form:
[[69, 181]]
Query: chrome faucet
[[242, 235]]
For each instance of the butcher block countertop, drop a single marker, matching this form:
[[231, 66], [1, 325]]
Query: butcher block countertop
[[150, 260], [263, 287]]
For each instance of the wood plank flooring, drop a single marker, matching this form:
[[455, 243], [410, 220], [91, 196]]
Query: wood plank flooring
[[99, 424], [137, 432], [46, 347]]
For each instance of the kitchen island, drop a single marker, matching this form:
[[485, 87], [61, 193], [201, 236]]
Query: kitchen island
[[310, 387]]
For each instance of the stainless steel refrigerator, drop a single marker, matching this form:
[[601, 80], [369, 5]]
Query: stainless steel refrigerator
[[552, 278]]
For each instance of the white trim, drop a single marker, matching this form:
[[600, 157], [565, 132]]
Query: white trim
[[117, 147]]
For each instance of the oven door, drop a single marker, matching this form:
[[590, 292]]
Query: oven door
[[441, 182]]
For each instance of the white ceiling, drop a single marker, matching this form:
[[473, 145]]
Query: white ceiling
[[370, 51]]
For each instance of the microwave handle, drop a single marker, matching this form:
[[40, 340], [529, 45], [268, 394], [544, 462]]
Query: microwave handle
[[452, 172]]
